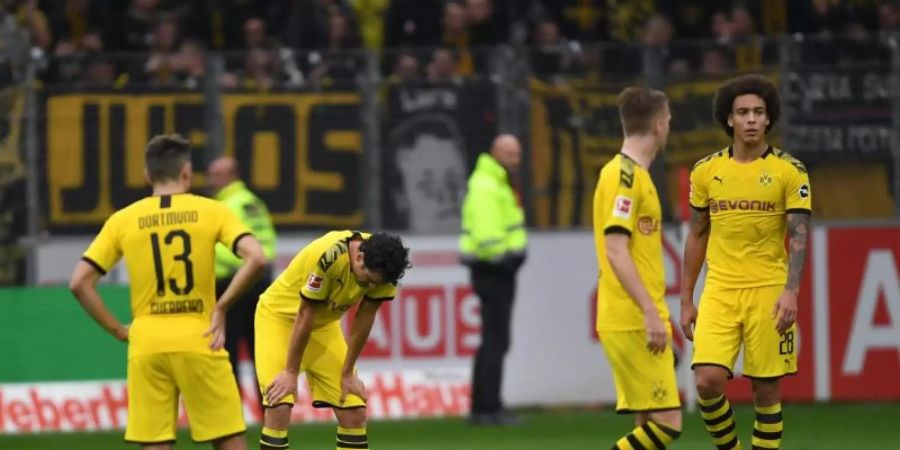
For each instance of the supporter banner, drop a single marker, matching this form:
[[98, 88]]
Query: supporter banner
[[12, 186], [839, 113], [575, 130], [432, 136], [301, 152]]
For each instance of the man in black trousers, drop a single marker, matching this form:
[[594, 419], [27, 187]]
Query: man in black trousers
[[493, 245]]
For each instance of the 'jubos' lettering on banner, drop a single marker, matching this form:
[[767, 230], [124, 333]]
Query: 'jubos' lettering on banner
[[300, 151]]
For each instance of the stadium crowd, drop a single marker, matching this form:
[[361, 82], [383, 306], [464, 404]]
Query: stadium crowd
[[295, 42]]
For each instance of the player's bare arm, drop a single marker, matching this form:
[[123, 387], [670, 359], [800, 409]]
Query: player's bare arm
[[626, 272], [251, 253], [285, 383], [798, 240], [694, 254], [359, 334], [83, 285]]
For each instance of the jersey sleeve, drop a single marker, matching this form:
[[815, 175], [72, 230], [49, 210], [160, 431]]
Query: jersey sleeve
[[318, 280], [384, 292], [797, 195], [105, 250], [621, 217], [231, 229], [698, 197]]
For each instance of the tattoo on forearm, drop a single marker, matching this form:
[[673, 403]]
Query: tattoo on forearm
[[699, 222], [798, 231]]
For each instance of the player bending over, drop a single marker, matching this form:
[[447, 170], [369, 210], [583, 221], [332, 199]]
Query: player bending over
[[298, 329]]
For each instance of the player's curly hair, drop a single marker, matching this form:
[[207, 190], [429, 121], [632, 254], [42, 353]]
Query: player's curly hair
[[384, 253], [746, 84]]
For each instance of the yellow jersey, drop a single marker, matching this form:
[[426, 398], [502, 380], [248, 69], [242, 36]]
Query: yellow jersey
[[320, 273], [625, 201], [748, 205], [168, 242]]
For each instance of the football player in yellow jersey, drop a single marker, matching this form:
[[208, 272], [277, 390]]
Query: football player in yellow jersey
[[177, 331], [632, 316], [298, 329], [743, 199]]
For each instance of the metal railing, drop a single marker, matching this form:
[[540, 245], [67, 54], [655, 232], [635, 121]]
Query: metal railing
[[353, 138]]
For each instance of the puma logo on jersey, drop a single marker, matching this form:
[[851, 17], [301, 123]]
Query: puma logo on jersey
[[718, 179]]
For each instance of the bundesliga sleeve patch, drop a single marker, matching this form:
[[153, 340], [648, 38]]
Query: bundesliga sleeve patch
[[804, 191], [622, 208], [314, 283]]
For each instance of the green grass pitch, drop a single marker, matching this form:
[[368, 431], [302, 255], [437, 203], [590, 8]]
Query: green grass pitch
[[808, 427]]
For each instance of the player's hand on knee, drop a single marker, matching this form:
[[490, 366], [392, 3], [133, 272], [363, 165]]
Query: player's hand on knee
[[785, 312], [657, 336], [688, 319], [285, 384], [351, 384]]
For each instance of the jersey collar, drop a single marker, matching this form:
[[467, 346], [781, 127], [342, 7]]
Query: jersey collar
[[765, 153]]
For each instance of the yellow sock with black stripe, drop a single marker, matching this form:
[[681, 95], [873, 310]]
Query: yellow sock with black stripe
[[768, 427], [352, 438], [649, 436], [273, 439], [719, 421]]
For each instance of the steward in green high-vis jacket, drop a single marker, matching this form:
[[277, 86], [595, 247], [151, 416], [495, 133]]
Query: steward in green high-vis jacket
[[230, 190], [493, 224], [255, 215], [493, 245]]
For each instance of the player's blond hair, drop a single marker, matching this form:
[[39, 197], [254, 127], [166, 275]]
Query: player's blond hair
[[638, 107]]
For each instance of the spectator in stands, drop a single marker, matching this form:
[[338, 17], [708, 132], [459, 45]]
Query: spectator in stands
[[411, 23], [750, 50], [550, 58], [715, 61], [99, 72], [30, 17], [76, 27], [256, 35], [722, 28], [659, 55], [77, 34], [442, 68], [260, 70], [191, 64], [860, 45], [455, 35], [371, 15], [742, 23], [337, 61], [162, 64], [308, 25], [581, 20], [217, 23], [889, 17], [406, 68], [484, 28], [134, 31]]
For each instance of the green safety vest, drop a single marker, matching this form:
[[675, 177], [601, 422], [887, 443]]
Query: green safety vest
[[254, 215], [493, 223]]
